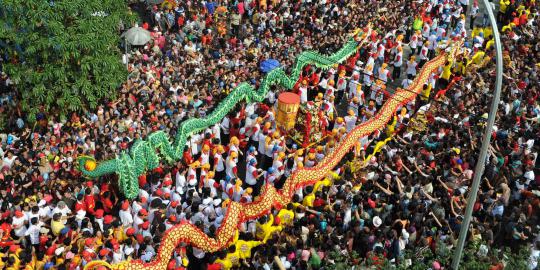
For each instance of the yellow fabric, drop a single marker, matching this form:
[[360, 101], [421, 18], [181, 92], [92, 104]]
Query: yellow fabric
[[308, 200], [119, 234], [475, 32], [426, 92], [56, 227], [264, 231], [243, 248], [447, 71], [261, 230], [286, 216], [271, 231], [31, 266], [17, 263], [507, 27], [98, 241], [226, 264], [234, 258], [40, 265], [76, 260], [488, 31], [477, 57], [325, 182], [503, 5]]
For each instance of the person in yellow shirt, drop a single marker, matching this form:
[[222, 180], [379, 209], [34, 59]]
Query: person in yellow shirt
[[41, 259], [296, 201], [508, 27], [263, 225], [2, 263], [264, 228], [286, 215], [309, 198], [503, 6], [57, 224], [488, 32], [326, 182], [244, 247], [391, 129], [232, 259], [119, 233], [426, 91], [273, 229], [14, 261], [226, 264], [447, 71], [458, 67], [477, 58]]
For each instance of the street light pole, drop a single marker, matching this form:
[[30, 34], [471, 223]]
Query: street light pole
[[480, 164]]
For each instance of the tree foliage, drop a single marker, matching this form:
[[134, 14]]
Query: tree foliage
[[423, 258], [64, 55]]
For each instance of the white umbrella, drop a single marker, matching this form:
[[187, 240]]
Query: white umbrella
[[137, 36], [154, 2]]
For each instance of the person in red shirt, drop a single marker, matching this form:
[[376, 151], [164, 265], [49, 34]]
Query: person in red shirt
[[5, 238], [108, 201], [80, 204], [89, 200]]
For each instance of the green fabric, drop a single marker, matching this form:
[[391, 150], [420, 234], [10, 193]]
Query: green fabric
[[417, 24], [315, 260]]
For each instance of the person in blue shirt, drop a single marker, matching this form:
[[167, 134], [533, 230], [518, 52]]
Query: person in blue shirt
[[196, 102], [211, 7]]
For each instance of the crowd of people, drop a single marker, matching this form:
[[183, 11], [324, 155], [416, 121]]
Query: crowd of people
[[410, 194]]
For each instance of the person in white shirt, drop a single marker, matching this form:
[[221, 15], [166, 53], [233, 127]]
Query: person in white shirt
[[252, 173], [303, 89], [424, 54], [8, 160], [411, 67], [535, 255], [323, 84], [350, 120], [195, 143], [219, 163], [230, 165], [18, 224], [254, 131], [352, 86], [416, 42], [426, 29], [368, 70], [225, 125], [33, 231], [474, 13], [432, 44], [125, 215], [62, 209], [406, 82]]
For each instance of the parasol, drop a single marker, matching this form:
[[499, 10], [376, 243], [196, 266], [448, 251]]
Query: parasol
[[269, 64], [137, 36]]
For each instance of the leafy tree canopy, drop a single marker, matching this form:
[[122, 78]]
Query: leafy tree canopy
[[63, 54]]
